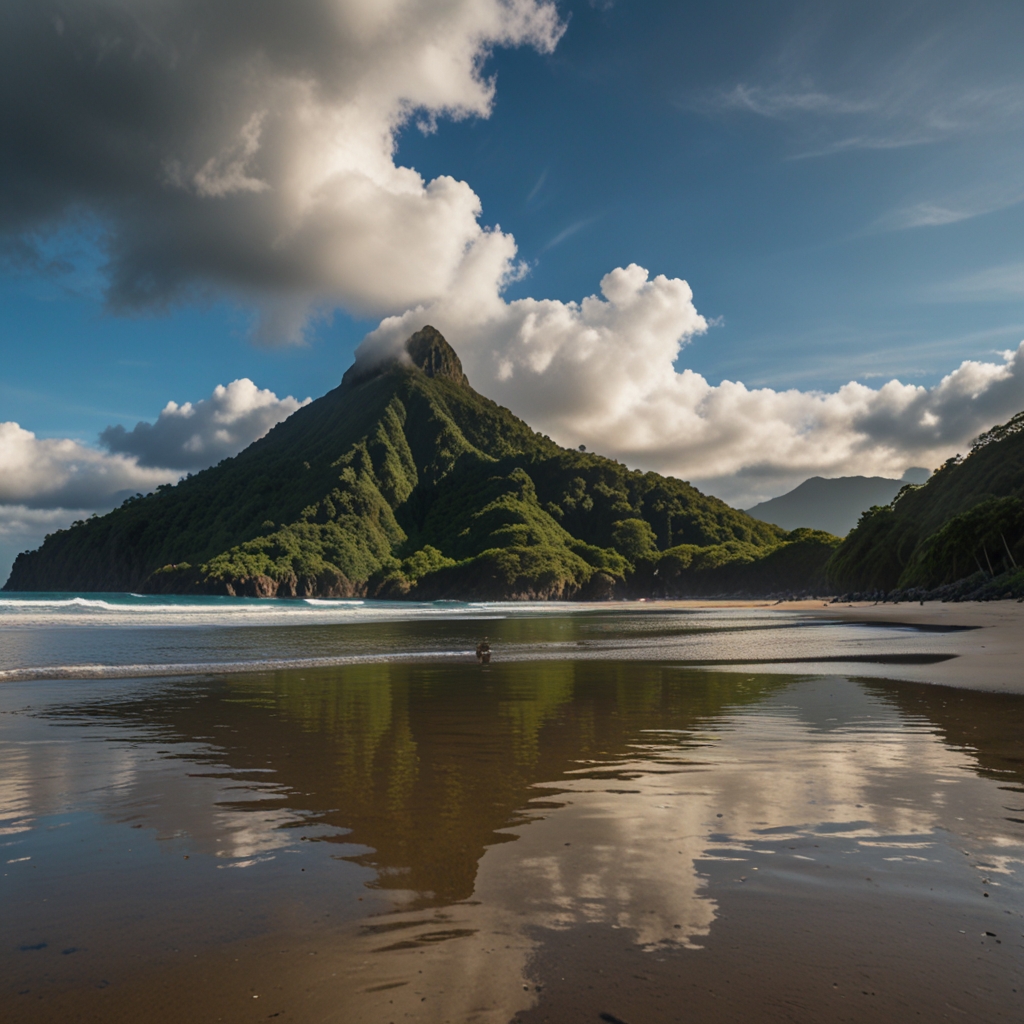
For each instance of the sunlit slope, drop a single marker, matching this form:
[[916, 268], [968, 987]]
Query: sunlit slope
[[403, 481], [967, 520]]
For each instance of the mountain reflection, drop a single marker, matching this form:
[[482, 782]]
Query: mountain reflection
[[987, 726], [428, 831], [422, 766]]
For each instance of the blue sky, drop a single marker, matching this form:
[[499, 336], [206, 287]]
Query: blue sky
[[628, 144], [839, 184]]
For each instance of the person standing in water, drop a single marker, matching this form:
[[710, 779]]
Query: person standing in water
[[483, 652]]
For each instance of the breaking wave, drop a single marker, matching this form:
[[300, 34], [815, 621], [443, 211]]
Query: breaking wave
[[164, 610]]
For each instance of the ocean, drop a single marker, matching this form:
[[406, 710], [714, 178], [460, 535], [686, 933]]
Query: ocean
[[113, 635]]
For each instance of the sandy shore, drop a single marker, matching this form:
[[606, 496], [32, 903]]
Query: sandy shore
[[988, 647], [552, 840], [663, 850], [985, 643]]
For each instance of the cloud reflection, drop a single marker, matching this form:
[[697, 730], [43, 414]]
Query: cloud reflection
[[481, 817]]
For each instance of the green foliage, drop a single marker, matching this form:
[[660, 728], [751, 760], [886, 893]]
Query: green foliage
[[425, 561], [608, 561], [908, 543], [989, 539], [797, 563], [399, 483], [537, 572], [305, 549], [999, 432], [634, 539]]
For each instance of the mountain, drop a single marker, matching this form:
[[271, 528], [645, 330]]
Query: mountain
[[963, 529], [404, 482], [832, 505]]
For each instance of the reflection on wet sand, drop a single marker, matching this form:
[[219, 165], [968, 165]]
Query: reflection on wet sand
[[427, 842]]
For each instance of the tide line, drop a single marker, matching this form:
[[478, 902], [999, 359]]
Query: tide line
[[17, 675]]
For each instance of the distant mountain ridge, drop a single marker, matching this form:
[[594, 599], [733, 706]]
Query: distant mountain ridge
[[832, 504], [405, 482]]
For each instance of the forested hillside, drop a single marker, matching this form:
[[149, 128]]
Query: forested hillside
[[963, 529], [404, 482]]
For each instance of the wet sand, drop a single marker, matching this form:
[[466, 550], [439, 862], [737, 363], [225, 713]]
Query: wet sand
[[977, 645], [858, 949], [989, 651], [558, 841]]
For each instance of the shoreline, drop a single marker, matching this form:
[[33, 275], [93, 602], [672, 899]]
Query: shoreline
[[974, 646], [985, 638], [983, 645]]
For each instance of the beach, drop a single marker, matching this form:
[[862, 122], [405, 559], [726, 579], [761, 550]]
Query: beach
[[987, 639], [637, 812]]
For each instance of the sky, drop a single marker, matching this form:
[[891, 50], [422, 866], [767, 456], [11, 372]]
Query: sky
[[740, 243]]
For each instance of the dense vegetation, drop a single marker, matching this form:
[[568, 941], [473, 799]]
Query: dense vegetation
[[403, 481], [961, 533]]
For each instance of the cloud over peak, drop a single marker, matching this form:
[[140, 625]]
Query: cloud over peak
[[249, 149], [603, 372]]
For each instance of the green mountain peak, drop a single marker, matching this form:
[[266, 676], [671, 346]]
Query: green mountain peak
[[430, 353], [426, 350], [405, 482]]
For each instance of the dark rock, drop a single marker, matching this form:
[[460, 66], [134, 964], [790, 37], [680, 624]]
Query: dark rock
[[430, 353]]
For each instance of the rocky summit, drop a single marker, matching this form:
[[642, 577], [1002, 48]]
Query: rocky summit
[[404, 482]]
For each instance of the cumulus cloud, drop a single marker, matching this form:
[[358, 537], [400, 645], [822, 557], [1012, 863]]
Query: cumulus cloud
[[195, 436], [46, 483], [250, 148], [603, 372], [63, 473], [23, 529], [53, 473]]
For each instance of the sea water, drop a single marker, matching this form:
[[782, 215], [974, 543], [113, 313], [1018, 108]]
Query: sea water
[[109, 635]]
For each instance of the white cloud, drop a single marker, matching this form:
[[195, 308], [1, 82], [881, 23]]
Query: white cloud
[[993, 283], [63, 473], [602, 372], [227, 172], [952, 208], [46, 483], [779, 101], [51, 473], [251, 151], [891, 112], [839, 82], [567, 233], [23, 529], [929, 215], [193, 436]]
